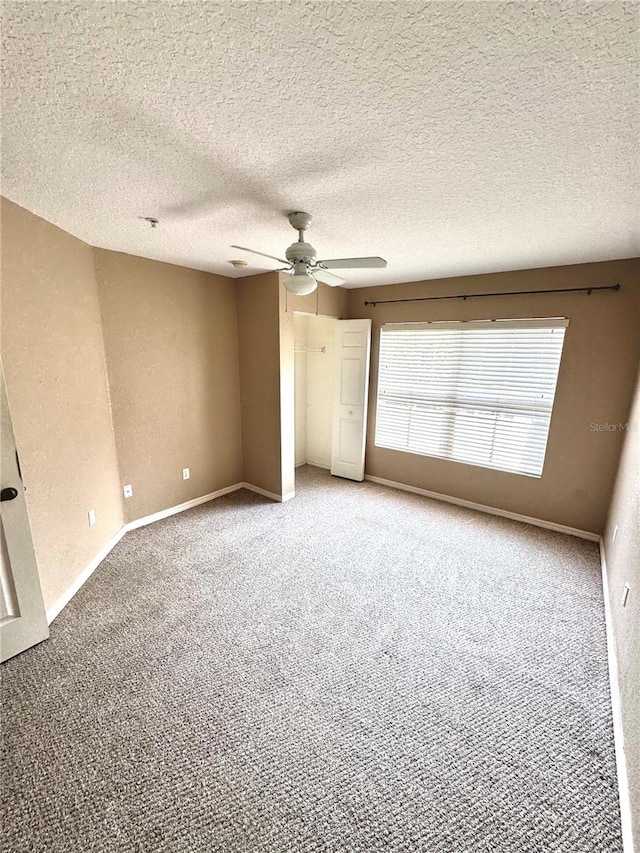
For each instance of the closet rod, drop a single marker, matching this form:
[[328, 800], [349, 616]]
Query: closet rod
[[587, 290], [310, 349]]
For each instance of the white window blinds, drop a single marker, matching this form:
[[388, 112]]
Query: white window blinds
[[476, 392]]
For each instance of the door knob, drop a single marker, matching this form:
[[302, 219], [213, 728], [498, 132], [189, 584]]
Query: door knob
[[8, 494]]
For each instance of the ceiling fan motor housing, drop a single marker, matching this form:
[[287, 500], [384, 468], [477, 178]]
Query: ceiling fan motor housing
[[301, 252]]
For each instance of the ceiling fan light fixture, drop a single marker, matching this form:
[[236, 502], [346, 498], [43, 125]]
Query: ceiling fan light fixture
[[302, 260], [302, 284]]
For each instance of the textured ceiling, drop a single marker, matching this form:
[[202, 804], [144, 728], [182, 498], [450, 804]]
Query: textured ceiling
[[451, 138]]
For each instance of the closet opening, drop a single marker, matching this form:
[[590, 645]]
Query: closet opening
[[314, 344]]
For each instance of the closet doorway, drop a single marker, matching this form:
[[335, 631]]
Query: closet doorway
[[330, 393], [314, 341]]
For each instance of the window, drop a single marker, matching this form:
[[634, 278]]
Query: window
[[479, 392]]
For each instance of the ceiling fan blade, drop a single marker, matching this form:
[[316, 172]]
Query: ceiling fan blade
[[253, 252], [353, 263], [327, 277]]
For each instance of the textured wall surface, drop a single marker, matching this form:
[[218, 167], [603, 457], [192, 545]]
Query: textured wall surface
[[450, 137], [172, 355], [595, 384], [54, 364], [623, 563]]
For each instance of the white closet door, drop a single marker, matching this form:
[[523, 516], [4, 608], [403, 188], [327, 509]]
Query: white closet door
[[351, 394]]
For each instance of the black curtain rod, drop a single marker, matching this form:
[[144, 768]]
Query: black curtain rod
[[587, 290]]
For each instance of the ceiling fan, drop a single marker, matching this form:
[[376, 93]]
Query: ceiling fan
[[301, 261]]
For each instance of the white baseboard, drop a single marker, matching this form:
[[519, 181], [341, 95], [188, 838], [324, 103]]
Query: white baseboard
[[84, 575], [172, 510], [514, 516], [616, 707], [265, 494], [317, 464]]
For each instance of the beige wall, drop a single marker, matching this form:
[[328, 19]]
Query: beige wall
[[53, 358], [171, 398], [623, 565], [170, 337], [601, 353], [259, 347], [178, 394]]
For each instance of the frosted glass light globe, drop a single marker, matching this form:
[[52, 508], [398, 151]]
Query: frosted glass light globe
[[301, 284]]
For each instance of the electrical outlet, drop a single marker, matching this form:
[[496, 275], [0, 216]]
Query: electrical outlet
[[615, 533], [92, 517], [185, 473], [625, 594], [128, 491]]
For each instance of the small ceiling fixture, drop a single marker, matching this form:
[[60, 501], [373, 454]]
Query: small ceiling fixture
[[153, 222], [239, 264], [302, 264]]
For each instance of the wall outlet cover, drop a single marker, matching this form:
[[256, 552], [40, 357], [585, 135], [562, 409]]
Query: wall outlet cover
[[128, 491], [615, 533], [185, 473], [92, 517]]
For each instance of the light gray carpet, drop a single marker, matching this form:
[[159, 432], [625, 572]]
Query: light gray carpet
[[356, 670]]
